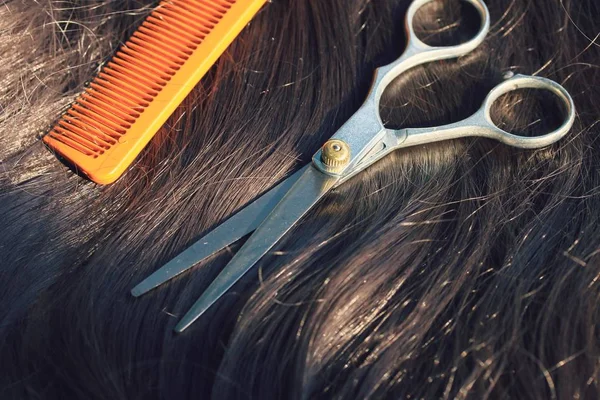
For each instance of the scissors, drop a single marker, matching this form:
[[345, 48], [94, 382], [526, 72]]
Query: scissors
[[359, 143]]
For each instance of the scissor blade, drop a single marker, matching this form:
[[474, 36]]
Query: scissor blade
[[233, 229], [305, 193]]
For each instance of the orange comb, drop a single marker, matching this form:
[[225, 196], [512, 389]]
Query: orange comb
[[109, 124]]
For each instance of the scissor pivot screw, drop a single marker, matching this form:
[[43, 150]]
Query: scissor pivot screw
[[335, 153]]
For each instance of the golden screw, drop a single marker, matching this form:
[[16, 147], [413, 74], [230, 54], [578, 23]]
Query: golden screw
[[335, 153]]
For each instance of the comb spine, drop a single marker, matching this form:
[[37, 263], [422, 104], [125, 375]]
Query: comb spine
[[177, 81]]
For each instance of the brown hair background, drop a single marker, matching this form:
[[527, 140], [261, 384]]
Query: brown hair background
[[464, 269]]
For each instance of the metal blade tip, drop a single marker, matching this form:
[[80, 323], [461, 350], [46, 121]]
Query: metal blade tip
[[140, 289]]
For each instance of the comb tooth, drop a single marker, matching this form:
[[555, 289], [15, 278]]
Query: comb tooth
[[63, 138], [182, 18], [182, 28], [72, 123], [175, 50], [100, 101], [135, 91], [90, 112], [190, 6], [80, 128], [198, 18], [81, 140], [172, 40], [100, 83], [101, 141], [197, 22], [138, 69], [84, 137], [181, 45], [132, 87], [211, 6], [110, 94], [148, 58], [132, 71], [104, 127], [134, 81], [150, 44], [123, 107], [201, 8], [103, 112], [161, 25], [128, 59], [223, 3]]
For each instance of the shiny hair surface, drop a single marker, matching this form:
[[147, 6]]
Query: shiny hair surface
[[466, 269]]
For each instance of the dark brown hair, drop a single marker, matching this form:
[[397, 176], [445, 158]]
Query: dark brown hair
[[464, 269]]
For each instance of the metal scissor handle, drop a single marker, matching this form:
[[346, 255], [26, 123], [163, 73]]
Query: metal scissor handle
[[418, 52], [481, 123], [365, 126]]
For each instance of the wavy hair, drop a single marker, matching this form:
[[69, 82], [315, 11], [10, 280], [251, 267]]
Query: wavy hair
[[465, 269]]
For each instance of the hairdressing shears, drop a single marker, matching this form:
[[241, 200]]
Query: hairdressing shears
[[359, 143]]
